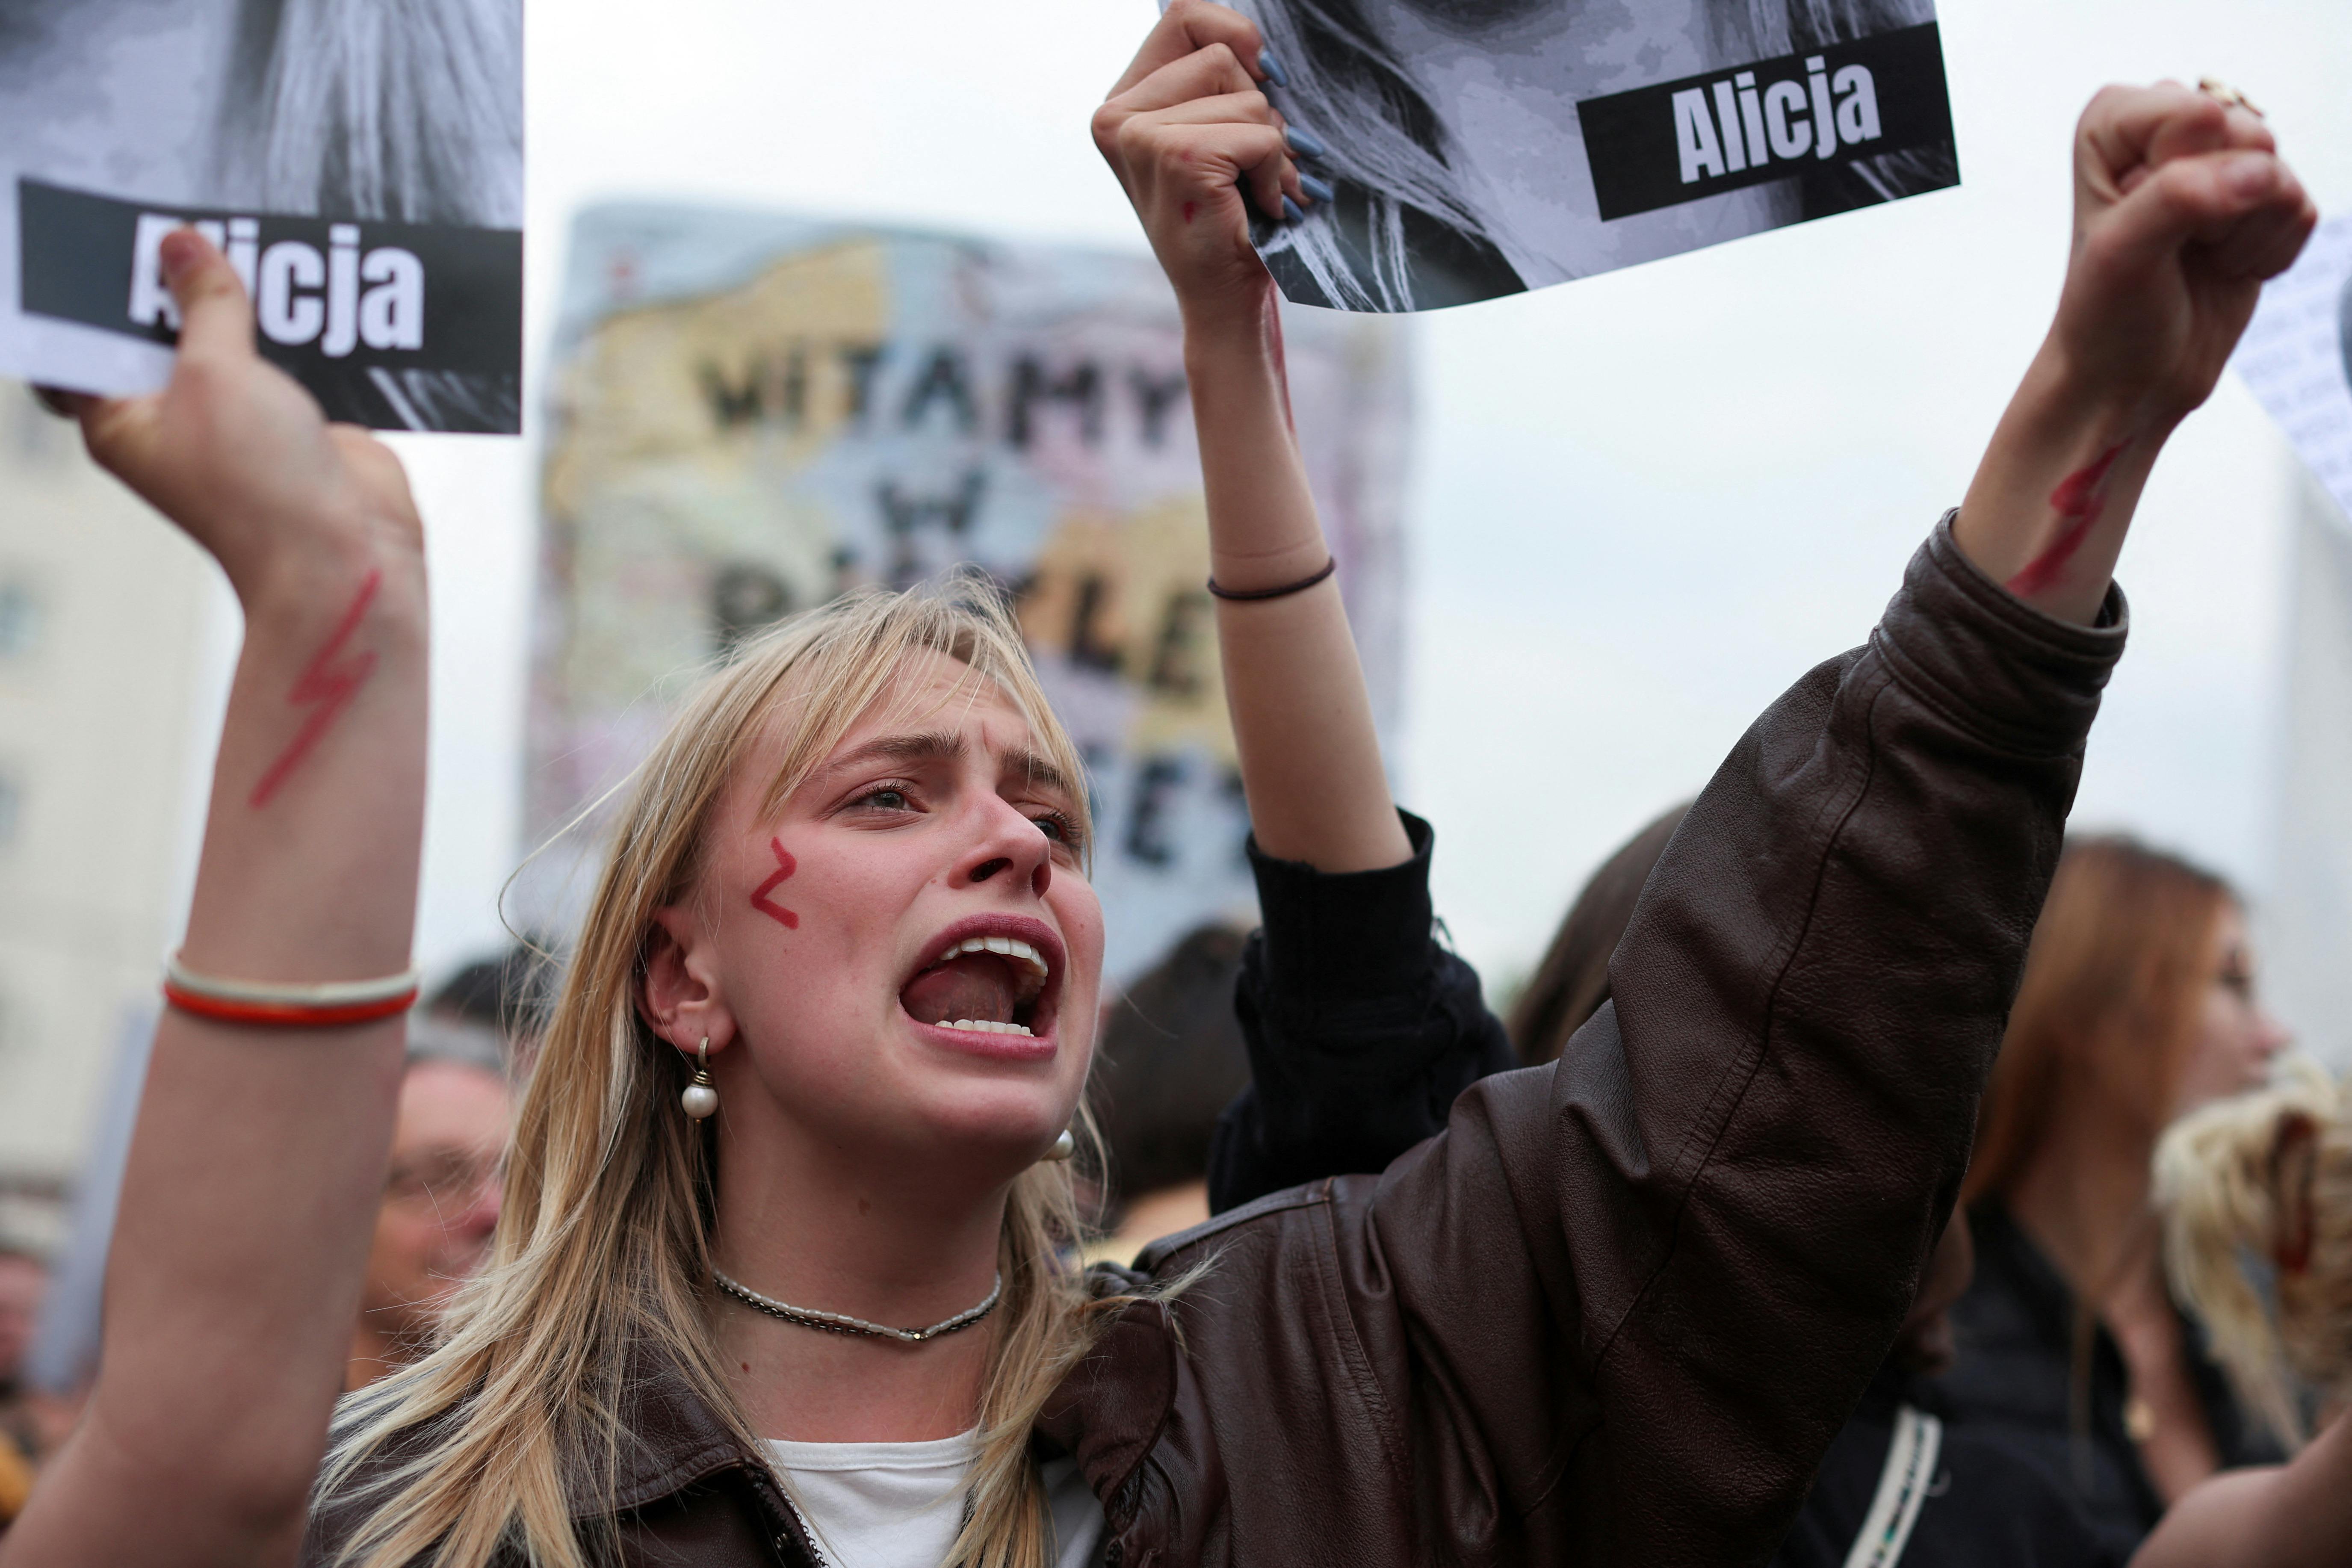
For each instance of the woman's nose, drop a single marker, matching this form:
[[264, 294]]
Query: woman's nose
[[2270, 1037], [1013, 847], [481, 1216]]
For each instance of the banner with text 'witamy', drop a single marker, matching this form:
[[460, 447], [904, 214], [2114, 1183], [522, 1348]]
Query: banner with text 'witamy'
[[361, 165], [1466, 151], [751, 413]]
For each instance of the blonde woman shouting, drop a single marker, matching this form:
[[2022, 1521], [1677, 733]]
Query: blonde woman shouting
[[780, 1278]]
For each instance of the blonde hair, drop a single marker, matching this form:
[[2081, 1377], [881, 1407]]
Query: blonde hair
[[604, 1245], [2255, 1193]]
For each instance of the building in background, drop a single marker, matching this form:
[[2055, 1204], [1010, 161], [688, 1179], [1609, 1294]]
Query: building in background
[[113, 637], [2307, 922]]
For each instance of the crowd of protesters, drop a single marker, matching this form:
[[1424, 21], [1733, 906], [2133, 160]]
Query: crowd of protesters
[[750, 1233]]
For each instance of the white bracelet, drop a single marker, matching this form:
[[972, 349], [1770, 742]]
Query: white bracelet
[[276, 994]]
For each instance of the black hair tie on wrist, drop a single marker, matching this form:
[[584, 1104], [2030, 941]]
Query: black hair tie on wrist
[[1287, 588]]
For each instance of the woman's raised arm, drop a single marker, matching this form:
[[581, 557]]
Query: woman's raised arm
[[1188, 133], [2182, 207], [260, 1154]]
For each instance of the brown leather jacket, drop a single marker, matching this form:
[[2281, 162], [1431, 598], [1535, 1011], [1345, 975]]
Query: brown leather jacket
[[1617, 1310]]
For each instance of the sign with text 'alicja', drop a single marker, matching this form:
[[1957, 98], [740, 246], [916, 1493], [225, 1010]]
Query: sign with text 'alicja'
[[417, 296], [1773, 119], [1459, 152]]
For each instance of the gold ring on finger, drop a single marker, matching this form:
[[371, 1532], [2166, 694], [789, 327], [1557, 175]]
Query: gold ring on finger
[[2229, 97]]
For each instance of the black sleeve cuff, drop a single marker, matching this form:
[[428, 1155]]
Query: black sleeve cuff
[[1343, 936]]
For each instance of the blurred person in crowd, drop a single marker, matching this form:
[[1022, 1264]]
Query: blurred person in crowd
[[441, 1192], [2137, 1004], [1573, 981], [404, 113], [1450, 132], [1171, 1060], [24, 1282], [509, 994], [2255, 1196], [2254, 1191]]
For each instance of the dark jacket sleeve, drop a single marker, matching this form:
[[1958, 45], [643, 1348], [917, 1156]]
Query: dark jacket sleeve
[[1616, 1312], [1361, 1027]]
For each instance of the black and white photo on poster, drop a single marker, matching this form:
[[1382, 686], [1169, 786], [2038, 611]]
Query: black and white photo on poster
[[1479, 148], [361, 164]]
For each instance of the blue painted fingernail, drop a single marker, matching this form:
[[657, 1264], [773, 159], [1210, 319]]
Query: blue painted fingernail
[[1304, 142], [1319, 189], [1291, 212], [1273, 68]]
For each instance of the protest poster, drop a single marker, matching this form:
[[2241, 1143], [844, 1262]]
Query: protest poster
[[2296, 356], [751, 413], [1477, 150], [359, 164]]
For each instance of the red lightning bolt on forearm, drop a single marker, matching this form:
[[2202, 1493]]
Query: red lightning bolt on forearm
[[326, 688], [2079, 500]]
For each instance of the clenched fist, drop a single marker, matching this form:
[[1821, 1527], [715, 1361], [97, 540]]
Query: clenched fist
[[1192, 138], [2182, 207]]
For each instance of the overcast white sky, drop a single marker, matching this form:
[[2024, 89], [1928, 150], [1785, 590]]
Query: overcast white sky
[[1643, 504]]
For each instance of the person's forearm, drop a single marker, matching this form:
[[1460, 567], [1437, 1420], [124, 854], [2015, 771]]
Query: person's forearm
[[2296, 1515], [1302, 718], [2054, 497], [258, 1158]]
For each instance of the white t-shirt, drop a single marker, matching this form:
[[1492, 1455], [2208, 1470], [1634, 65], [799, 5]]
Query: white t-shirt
[[898, 1505]]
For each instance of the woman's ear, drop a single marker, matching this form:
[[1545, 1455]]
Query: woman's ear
[[2295, 1167], [679, 994]]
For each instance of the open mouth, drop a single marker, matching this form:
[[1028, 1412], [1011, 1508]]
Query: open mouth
[[986, 980]]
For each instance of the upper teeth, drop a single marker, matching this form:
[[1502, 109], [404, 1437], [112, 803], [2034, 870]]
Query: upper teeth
[[991, 1026], [1011, 947]]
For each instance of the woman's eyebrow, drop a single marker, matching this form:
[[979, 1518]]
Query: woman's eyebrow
[[1038, 770], [946, 745], [929, 746]]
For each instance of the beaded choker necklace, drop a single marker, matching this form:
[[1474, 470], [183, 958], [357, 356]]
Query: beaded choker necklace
[[843, 1324]]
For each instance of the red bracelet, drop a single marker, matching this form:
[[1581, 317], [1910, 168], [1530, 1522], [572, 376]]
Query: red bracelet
[[283, 1017], [289, 1005]]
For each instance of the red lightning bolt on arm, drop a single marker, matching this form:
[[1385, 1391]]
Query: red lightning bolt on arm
[[258, 1167], [326, 688]]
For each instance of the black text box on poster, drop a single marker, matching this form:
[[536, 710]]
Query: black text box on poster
[[330, 294], [1680, 141]]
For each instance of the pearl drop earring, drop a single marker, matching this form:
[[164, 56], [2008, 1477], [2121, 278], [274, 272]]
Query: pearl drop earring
[[701, 1098], [1063, 1146]]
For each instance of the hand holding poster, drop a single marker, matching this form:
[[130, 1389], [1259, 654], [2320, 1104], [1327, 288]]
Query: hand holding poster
[[1477, 148], [359, 164]]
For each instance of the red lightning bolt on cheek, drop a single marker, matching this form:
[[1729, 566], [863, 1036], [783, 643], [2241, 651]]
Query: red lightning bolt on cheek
[[785, 867], [326, 688]]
